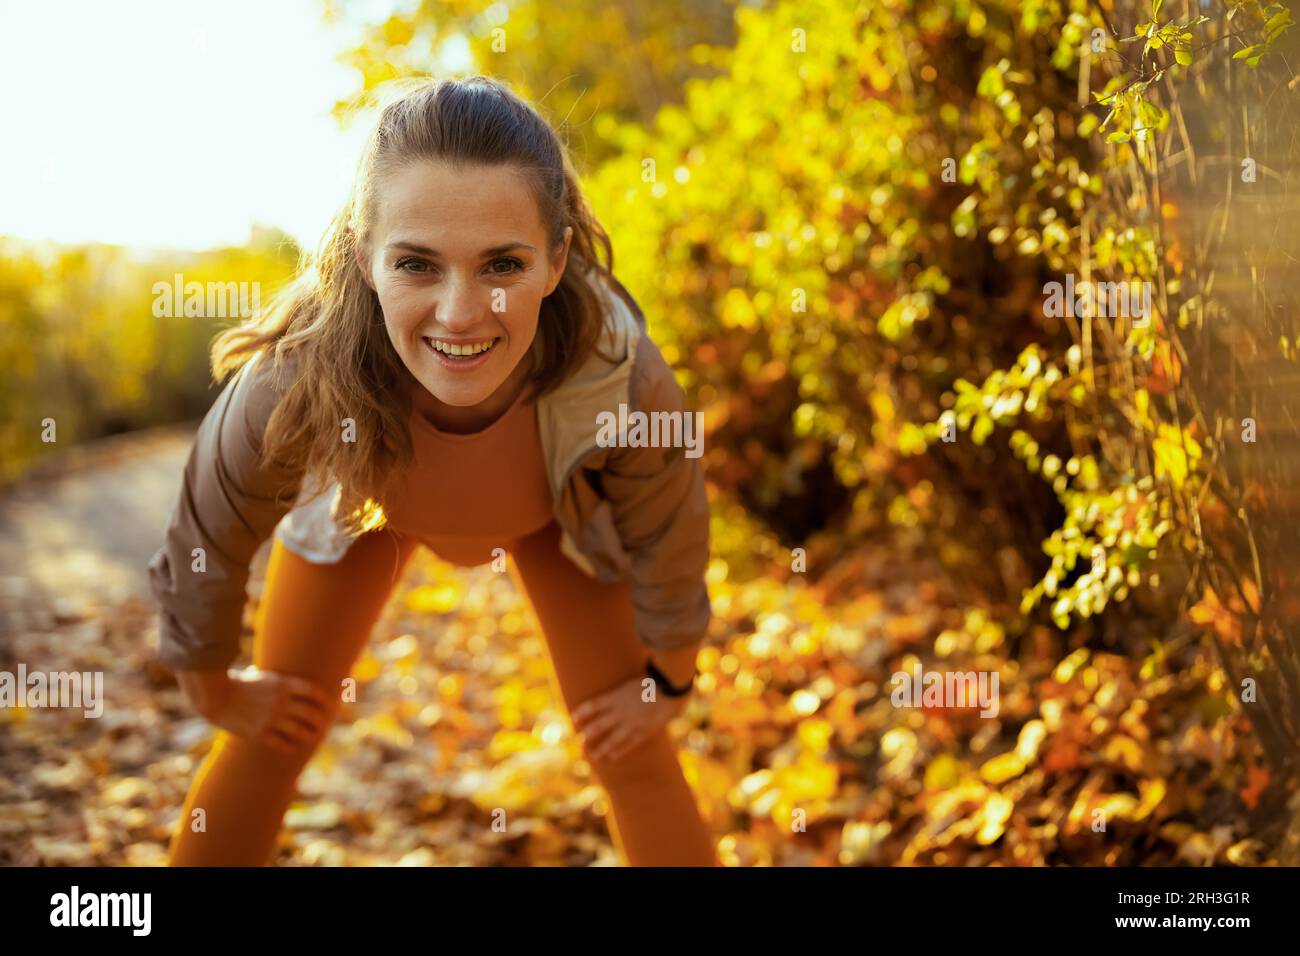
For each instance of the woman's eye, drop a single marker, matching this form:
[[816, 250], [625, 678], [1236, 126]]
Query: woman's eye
[[513, 264], [402, 265]]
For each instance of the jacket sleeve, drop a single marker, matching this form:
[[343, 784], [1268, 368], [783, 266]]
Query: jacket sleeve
[[229, 503], [661, 511]]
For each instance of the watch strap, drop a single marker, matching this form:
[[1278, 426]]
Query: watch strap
[[662, 680]]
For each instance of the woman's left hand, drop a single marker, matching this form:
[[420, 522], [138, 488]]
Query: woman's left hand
[[618, 720]]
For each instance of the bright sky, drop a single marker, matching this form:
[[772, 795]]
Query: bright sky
[[171, 123]]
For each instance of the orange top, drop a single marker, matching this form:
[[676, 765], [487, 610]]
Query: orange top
[[468, 494]]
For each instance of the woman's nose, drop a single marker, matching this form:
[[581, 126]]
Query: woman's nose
[[461, 305]]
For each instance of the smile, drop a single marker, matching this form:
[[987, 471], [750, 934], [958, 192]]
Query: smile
[[459, 350], [461, 356]]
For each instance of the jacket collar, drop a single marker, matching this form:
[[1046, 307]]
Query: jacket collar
[[567, 417]]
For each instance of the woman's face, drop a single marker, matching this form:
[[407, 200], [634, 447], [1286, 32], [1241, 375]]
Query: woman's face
[[459, 259]]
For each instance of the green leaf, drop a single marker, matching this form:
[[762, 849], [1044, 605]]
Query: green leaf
[[1152, 116], [1248, 51], [1184, 57], [1119, 136], [990, 84]]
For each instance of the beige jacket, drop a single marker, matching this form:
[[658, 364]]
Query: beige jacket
[[638, 513]]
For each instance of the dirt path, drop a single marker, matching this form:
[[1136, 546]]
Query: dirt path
[[408, 776], [82, 529]]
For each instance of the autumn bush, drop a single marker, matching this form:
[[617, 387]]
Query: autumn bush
[[845, 244], [80, 343]]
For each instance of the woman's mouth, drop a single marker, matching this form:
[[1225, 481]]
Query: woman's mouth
[[461, 356]]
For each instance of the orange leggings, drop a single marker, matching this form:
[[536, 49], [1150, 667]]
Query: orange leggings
[[314, 620]]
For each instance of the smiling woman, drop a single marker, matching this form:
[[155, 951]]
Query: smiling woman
[[453, 231], [439, 373], [461, 262]]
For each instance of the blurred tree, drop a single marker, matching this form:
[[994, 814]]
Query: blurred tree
[[81, 343], [588, 61]]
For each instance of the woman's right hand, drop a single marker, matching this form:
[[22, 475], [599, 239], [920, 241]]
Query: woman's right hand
[[282, 711]]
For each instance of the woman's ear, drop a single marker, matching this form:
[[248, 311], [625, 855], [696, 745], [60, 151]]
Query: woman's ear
[[559, 262]]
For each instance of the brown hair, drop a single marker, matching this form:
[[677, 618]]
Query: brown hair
[[330, 320]]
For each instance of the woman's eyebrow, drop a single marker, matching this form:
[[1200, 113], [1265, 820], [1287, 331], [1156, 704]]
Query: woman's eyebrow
[[435, 254]]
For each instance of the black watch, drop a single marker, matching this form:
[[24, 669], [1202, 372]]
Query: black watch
[[658, 676]]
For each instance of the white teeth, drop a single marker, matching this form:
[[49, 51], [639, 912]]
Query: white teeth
[[452, 349]]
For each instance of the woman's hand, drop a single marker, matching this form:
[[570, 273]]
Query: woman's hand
[[618, 720], [282, 711]]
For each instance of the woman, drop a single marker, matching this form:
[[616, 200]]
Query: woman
[[436, 377]]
